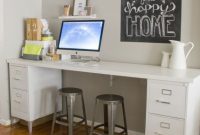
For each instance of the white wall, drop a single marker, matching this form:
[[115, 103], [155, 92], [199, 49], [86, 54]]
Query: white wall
[[1, 44], [13, 17], [191, 29]]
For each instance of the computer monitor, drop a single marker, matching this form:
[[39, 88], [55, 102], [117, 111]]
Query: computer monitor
[[81, 37]]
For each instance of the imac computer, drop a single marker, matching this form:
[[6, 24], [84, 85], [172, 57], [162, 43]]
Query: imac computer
[[80, 38]]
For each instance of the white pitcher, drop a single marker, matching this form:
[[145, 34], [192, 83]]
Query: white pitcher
[[178, 58]]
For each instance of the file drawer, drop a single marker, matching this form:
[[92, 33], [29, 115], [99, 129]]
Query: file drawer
[[167, 98], [18, 77], [158, 125], [19, 101]]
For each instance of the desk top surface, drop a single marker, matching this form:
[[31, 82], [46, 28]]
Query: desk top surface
[[117, 69]]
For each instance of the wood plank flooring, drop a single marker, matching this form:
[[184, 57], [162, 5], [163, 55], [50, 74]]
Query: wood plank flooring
[[43, 129]]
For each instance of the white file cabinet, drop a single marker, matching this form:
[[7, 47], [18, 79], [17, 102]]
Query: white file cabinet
[[33, 91], [167, 108]]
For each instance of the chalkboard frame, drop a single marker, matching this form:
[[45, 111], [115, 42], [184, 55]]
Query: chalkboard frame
[[176, 27]]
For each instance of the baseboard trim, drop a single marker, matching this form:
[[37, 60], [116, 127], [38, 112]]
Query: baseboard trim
[[130, 132], [5, 122]]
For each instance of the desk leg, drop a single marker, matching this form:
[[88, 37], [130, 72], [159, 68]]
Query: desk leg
[[106, 119], [12, 121], [30, 124]]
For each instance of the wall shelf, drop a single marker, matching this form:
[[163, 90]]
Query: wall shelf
[[77, 17]]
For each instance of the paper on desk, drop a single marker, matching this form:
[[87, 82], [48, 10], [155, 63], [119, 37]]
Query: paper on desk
[[32, 49]]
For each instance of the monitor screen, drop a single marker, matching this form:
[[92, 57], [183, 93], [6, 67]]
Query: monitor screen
[[81, 35]]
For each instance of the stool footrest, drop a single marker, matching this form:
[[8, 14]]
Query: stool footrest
[[61, 123], [96, 133], [62, 120], [102, 125]]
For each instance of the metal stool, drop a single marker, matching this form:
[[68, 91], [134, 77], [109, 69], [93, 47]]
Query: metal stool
[[110, 103], [66, 117]]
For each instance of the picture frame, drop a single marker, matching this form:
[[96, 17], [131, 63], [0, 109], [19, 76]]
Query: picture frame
[[79, 7]]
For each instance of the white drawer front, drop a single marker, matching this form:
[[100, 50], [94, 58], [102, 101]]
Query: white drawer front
[[166, 99], [18, 77], [158, 125], [19, 101]]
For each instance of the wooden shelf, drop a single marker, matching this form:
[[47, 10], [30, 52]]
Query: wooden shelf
[[77, 17]]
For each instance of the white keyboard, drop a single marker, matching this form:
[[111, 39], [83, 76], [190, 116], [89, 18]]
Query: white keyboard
[[80, 63]]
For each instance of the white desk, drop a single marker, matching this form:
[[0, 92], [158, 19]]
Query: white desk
[[173, 96]]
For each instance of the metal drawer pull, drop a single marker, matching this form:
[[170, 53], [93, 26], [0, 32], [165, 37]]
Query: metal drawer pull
[[17, 101], [18, 95], [17, 71], [164, 125], [156, 133], [17, 79], [166, 92], [163, 102]]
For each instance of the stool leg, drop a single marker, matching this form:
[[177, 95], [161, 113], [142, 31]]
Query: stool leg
[[124, 115], [111, 118], [105, 109], [70, 108], [84, 112], [64, 104], [54, 115], [93, 118]]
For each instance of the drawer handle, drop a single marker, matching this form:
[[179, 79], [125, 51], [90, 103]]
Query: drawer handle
[[17, 71], [18, 95], [164, 125], [166, 92], [17, 79], [156, 133], [163, 102], [17, 101]]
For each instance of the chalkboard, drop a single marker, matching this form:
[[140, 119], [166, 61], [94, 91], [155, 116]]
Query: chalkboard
[[155, 21]]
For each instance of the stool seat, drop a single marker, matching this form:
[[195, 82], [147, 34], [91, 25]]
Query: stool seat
[[110, 98]]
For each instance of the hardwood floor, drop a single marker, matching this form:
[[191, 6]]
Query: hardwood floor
[[43, 129]]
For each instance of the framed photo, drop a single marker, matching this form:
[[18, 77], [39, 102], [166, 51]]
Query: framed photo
[[79, 6]]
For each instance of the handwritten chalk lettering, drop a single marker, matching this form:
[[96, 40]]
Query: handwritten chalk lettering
[[164, 9], [149, 26], [145, 26]]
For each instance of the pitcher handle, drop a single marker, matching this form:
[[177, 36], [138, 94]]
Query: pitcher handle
[[192, 46]]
